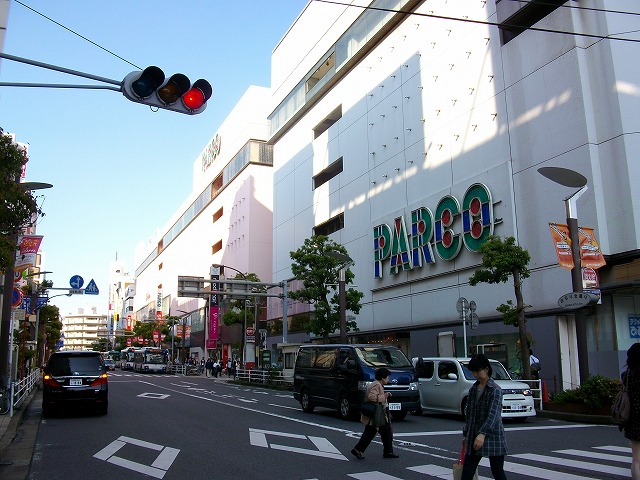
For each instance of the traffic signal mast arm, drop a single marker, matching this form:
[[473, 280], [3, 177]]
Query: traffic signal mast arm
[[147, 87]]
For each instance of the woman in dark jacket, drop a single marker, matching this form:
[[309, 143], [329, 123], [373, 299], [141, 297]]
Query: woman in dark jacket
[[483, 431], [631, 377], [375, 393]]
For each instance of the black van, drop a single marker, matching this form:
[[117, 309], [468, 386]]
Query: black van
[[336, 376]]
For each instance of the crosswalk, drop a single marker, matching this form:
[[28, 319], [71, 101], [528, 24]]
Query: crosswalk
[[605, 462]]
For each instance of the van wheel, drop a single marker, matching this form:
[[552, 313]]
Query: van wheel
[[344, 408], [399, 415], [305, 401]]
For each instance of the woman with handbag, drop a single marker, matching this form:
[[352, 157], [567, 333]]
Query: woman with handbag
[[483, 430], [375, 394], [631, 378]]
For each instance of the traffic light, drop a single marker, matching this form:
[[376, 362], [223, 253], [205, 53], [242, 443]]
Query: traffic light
[[150, 88]]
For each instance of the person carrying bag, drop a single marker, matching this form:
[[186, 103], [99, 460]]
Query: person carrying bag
[[376, 419], [459, 465]]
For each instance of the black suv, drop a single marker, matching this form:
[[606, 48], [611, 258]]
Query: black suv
[[75, 377]]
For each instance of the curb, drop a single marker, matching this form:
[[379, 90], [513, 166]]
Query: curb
[[575, 417]]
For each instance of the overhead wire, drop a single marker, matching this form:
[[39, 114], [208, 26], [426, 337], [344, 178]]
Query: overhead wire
[[505, 26], [76, 33]]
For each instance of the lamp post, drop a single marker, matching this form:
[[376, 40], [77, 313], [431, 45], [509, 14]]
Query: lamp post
[[244, 332], [573, 179], [346, 260], [184, 333], [6, 324]]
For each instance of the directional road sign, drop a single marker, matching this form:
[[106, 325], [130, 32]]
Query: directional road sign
[[76, 281]]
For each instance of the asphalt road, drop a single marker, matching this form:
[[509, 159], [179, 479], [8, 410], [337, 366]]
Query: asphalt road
[[174, 427]]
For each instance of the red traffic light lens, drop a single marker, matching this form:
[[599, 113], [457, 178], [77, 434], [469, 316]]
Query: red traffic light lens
[[198, 95], [174, 89], [150, 79], [193, 99]]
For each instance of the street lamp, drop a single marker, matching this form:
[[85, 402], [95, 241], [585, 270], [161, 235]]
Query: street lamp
[[6, 327], [345, 260], [573, 179]]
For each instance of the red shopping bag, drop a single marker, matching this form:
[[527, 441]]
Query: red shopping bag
[[457, 467]]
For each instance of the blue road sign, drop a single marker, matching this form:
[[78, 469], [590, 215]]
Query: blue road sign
[[76, 281], [91, 289]]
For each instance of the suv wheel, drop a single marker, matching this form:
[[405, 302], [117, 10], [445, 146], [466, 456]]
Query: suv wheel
[[305, 401], [344, 407]]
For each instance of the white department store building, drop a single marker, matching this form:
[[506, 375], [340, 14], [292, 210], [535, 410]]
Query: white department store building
[[410, 138]]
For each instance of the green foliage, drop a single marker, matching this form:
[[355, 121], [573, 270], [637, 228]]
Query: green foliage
[[51, 326], [501, 260], [320, 274], [597, 391], [17, 205]]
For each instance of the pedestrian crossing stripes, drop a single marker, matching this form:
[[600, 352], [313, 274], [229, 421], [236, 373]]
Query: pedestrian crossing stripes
[[540, 466]]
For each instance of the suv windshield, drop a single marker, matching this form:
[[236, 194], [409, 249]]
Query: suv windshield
[[499, 372], [383, 357], [65, 365]]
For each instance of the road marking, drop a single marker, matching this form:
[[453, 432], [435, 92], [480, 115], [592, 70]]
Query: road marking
[[594, 467], [157, 396], [324, 448], [157, 469], [459, 432], [595, 455], [374, 475]]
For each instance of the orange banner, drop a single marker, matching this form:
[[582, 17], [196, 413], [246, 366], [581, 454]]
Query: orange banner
[[590, 254], [562, 244]]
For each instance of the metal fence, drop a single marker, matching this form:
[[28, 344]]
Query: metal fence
[[18, 392], [536, 389], [267, 377]]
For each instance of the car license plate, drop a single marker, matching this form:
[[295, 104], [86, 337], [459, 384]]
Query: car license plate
[[516, 406], [395, 406], [75, 382]]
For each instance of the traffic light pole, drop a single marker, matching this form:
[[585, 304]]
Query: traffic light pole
[[59, 69]]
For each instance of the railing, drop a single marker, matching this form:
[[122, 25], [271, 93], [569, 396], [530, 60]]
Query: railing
[[267, 377], [536, 388], [18, 392]]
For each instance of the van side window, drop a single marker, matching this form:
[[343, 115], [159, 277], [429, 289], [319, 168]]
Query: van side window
[[345, 356], [424, 369], [326, 358], [306, 357], [445, 368]]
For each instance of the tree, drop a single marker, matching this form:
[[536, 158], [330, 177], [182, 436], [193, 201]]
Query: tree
[[501, 260], [235, 314], [50, 328], [17, 205], [320, 275]]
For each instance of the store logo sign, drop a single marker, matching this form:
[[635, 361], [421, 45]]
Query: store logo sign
[[452, 225]]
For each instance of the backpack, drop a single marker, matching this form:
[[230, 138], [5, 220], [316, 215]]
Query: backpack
[[621, 407], [536, 366]]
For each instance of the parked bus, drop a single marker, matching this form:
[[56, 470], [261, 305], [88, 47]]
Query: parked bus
[[114, 355], [126, 358], [151, 360]]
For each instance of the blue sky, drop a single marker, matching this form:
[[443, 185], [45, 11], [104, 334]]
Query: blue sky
[[118, 169]]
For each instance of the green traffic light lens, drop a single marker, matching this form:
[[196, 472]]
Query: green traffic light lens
[[150, 79]]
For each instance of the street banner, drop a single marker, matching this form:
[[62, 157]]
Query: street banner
[[28, 246], [590, 254], [562, 244]]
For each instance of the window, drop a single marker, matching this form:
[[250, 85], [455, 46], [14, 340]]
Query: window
[[516, 16], [326, 358], [330, 226], [216, 247], [328, 173], [217, 215], [329, 120], [318, 78], [445, 368], [424, 369]]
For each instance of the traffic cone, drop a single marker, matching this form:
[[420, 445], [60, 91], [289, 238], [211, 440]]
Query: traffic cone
[[545, 395]]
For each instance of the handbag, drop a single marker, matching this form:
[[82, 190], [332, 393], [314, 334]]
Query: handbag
[[621, 407], [459, 465], [375, 413]]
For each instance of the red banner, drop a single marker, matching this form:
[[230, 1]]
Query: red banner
[[29, 246]]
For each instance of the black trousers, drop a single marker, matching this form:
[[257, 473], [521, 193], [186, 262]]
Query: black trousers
[[471, 464], [386, 434]]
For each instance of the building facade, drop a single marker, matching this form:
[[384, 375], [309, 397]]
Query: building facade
[[81, 330], [225, 221], [410, 131]]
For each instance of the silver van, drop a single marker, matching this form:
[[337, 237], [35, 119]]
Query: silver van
[[444, 382]]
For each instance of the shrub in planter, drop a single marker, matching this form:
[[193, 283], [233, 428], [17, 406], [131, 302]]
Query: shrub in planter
[[597, 391]]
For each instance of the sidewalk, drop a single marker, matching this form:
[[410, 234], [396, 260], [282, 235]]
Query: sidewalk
[[18, 436]]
